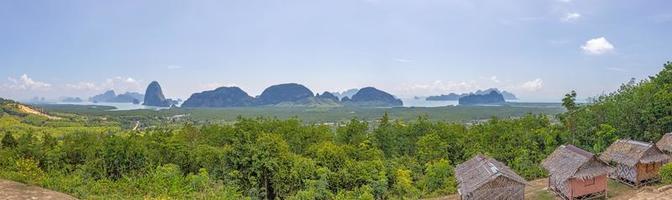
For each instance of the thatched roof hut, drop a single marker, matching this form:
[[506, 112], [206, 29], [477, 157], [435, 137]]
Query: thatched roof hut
[[485, 178], [635, 162], [665, 143], [576, 173]]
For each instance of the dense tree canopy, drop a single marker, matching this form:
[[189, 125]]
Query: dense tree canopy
[[269, 158], [638, 110]]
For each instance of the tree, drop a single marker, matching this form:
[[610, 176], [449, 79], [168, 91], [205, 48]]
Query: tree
[[431, 147], [604, 136], [439, 178], [270, 156], [403, 185], [8, 141], [569, 102], [385, 137], [354, 132]]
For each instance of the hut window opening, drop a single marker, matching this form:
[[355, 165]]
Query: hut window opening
[[589, 182], [650, 168]]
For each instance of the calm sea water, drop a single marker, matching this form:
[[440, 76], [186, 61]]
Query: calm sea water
[[421, 102]]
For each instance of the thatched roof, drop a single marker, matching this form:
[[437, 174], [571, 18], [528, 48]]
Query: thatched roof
[[630, 152], [568, 161], [480, 170], [665, 143]]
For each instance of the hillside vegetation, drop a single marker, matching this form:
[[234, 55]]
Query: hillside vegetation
[[266, 158], [637, 110]]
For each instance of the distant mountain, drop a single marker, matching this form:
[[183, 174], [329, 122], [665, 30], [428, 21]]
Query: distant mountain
[[455, 97], [370, 96], [347, 93], [104, 97], [507, 95], [220, 97], [110, 96], [288, 92], [443, 97], [475, 99], [128, 97], [154, 96], [328, 95], [134, 95], [289, 95], [71, 99]]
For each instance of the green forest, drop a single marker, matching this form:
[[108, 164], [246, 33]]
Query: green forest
[[268, 158]]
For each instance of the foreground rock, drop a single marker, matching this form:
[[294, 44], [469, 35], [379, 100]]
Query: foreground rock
[[218, 98], [154, 96], [10, 190]]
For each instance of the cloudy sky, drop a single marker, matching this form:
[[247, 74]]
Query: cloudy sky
[[538, 49]]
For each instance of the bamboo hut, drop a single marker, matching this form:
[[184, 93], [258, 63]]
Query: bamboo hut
[[576, 174], [635, 163], [665, 143], [485, 178]]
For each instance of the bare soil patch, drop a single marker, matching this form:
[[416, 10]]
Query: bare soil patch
[[10, 190], [30, 110], [537, 190]]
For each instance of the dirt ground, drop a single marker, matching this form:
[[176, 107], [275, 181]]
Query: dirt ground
[[537, 190], [27, 109], [649, 193], [10, 190]]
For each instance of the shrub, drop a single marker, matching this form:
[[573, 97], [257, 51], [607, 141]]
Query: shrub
[[27, 171], [8, 141], [439, 178], [666, 173], [403, 185]]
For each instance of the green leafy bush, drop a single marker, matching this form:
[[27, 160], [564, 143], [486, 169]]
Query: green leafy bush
[[666, 173], [27, 171]]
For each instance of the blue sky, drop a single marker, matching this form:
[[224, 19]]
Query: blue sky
[[538, 49]]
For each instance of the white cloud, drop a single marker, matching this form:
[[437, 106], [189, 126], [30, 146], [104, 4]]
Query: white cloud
[[533, 85], [597, 46], [83, 86], [26, 83], [494, 79], [118, 84], [570, 17]]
